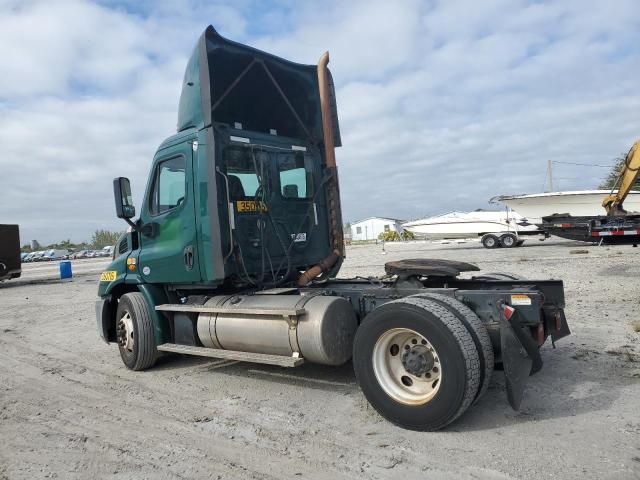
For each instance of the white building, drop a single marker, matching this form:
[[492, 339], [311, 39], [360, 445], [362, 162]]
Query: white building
[[370, 228]]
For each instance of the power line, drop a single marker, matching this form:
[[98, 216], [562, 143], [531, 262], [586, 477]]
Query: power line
[[584, 164]]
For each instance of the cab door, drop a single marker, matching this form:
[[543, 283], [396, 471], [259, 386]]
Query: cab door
[[168, 243]]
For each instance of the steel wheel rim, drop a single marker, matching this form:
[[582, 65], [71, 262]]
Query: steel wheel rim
[[490, 242], [508, 241], [391, 371], [125, 332]]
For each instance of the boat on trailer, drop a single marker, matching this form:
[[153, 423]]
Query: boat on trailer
[[468, 224], [576, 203]]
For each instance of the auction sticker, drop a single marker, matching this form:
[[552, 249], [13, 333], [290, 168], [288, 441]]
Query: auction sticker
[[520, 299], [108, 276], [250, 206]]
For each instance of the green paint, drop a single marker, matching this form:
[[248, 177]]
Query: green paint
[[162, 257]]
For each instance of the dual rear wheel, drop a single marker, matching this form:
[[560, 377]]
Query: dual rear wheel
[[421, 361]]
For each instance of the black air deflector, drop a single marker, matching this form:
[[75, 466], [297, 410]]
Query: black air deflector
[[264, 92]]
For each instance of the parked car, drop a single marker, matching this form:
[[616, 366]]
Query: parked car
[[37, 256], [80, 254], [54, 254]]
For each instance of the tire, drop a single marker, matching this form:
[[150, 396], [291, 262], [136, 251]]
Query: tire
[[478, 332], [490, 241], [134, 331], [508, 240], [425, 405]]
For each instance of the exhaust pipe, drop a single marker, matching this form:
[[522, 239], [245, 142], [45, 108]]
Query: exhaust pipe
[[333, 189], [325, 109]]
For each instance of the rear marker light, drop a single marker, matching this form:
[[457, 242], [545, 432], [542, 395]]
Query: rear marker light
[[508, 311]]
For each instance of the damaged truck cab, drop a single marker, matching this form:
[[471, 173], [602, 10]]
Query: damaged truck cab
[[239, 240]]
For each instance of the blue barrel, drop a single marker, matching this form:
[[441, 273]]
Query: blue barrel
[[65, 270]]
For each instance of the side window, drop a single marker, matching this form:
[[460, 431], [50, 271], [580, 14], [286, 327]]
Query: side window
[[241, 171], [296, 179], [169, 185], [358, 230]]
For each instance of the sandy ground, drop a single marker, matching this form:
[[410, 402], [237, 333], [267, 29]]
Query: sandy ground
[[70, 410]]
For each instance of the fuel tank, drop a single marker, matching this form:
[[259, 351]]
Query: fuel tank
[[322, 334]]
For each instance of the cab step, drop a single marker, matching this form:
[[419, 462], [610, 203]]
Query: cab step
[[279, 360]]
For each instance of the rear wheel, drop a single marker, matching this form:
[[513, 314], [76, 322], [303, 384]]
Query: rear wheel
[[508, 240], [416, 363], [490, 241], [478, 332], [134, 331]]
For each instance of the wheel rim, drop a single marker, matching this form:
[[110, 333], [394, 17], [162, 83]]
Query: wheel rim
[[407, 366], [489, 241], [125, 332], [508, 241]]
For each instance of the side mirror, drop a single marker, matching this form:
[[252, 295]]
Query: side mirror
[[124, 202]]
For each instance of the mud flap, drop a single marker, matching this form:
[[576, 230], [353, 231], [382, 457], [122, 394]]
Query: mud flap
[[104, 319], [520, 356]]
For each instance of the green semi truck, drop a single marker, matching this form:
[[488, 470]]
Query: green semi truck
[[239, 241]]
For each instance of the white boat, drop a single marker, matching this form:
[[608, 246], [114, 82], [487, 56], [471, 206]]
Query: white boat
[[579, 203], [467, 225]]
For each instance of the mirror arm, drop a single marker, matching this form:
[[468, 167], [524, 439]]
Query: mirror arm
[[134, 227]]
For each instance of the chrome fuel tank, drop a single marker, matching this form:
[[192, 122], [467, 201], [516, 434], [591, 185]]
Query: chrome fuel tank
[[323, 332]]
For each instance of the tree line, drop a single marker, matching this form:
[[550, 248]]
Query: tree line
[[100, 239]]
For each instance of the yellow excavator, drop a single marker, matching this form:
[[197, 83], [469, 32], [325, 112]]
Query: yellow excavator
[[627, 178]]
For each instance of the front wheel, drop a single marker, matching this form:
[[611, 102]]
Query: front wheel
[[416, 363], [134, 331]]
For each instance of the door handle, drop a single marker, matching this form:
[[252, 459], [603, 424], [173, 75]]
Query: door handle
[[188, 257]]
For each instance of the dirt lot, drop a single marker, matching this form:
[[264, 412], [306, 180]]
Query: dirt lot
[[69, 409]]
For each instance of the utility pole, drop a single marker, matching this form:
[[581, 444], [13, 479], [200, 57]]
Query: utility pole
[[550, 175]]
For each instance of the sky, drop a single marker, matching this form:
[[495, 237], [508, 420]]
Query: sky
[[442, 104]]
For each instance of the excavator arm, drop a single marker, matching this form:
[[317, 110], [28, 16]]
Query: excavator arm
[[628, 175]]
